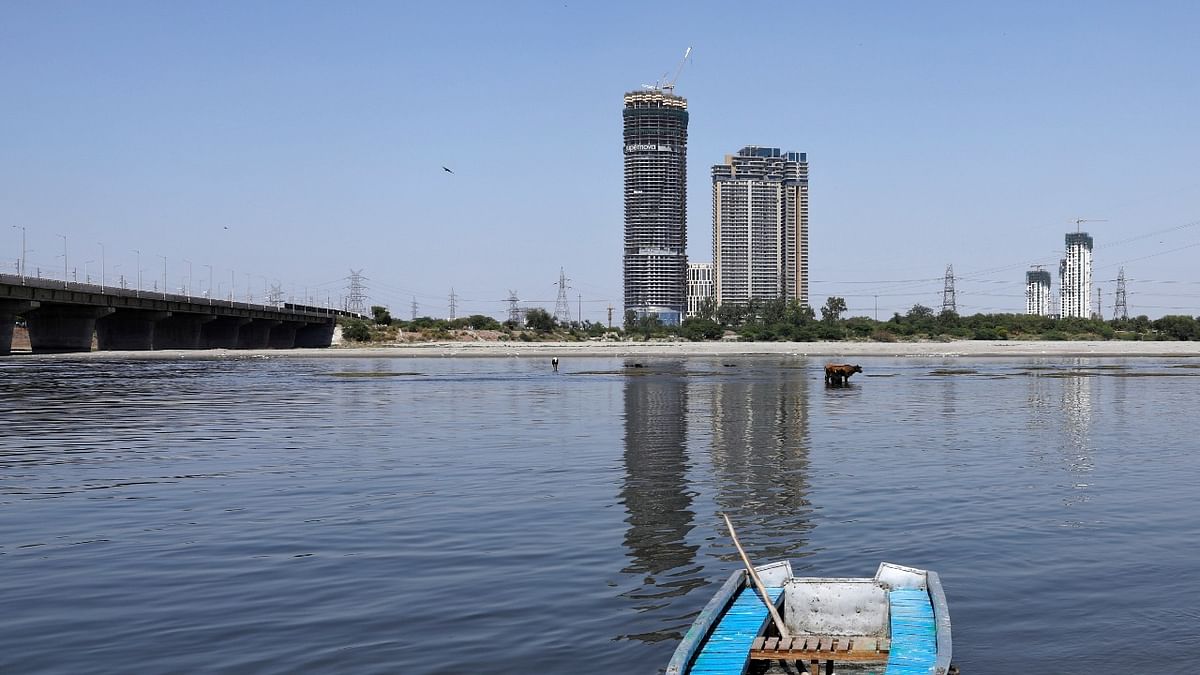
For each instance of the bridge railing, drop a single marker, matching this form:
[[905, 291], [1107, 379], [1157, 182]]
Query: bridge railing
[[122, 292]]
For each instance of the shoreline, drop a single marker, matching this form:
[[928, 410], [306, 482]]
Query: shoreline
[[830, 350]]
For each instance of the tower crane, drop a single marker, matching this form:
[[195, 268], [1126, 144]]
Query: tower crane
[[669, 86], [1079, 221]]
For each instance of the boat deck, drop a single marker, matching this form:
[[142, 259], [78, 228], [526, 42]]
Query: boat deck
[[914, 634], [727, 650]]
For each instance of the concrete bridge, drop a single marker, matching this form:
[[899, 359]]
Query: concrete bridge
[[66, 316]]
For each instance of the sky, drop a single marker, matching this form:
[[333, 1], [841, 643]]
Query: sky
[[293, 142]]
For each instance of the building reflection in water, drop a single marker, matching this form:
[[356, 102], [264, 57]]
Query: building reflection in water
[[1062, 400], [749, 432], [760, 464], [656, 494], [1077, 421]]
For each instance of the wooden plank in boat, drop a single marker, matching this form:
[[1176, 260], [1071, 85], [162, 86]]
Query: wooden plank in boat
[[823, 647]]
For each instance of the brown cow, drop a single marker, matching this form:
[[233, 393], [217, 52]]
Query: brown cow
[[836, 373]]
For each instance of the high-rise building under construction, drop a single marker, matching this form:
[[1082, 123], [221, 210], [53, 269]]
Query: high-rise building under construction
[[655, 260], [760, 225], [1075, 277], [1037, 292]]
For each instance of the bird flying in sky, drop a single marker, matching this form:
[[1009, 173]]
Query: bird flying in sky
[[446, 170]]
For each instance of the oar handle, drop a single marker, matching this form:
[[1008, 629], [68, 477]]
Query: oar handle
[[762, 590]]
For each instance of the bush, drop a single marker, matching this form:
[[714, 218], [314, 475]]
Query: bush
[[357, 330]]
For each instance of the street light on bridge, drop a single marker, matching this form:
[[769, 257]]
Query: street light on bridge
[[21, 271], [137, 292], [102, 266], [64, 238], [164, 276], [187, 290]]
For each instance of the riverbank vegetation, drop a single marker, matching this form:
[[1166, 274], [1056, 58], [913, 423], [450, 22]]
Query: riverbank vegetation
[[778, 321]]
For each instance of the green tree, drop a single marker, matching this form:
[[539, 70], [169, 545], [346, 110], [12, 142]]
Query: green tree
[[482, 322], [731, 314], [919, 312], [698, 329], [381, 315], [1177, 327], [832, 311], [540, 320]]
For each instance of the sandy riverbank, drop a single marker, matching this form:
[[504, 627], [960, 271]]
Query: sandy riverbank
[[834, 351]]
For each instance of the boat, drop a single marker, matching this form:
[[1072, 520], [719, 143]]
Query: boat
[[895, 623]]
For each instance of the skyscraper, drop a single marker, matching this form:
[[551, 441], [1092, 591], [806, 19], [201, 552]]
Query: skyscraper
[[760, 225], [1037, 292], [1075, 277], [655, 258]]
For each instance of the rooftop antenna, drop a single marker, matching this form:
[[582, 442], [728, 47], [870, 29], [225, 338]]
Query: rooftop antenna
[[669, 85]]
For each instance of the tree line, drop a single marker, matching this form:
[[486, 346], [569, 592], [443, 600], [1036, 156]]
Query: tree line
[[790, 321]]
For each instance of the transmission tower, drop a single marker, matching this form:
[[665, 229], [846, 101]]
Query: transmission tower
[[275, 295], [453, 303], [562, 306], [949, 303], [514, 312], [356, 293], [414, 308], [1099, 314], [1121, 305]]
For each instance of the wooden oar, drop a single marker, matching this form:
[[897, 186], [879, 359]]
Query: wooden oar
[[762, 590]]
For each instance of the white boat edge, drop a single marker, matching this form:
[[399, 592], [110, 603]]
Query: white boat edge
[[774, 574]]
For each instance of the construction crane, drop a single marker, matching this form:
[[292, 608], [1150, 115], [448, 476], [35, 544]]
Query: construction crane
[[669, 87], [1079, 221]]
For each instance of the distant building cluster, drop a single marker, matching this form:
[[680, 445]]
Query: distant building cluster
[[760, 218], [1075, 290]]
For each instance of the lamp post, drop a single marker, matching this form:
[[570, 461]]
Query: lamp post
[[102, 266], [231, 275], [86, 278], [137, 292], [187, 290], [22, 265], [121, 279], [164, 258], [210, 284], [64, 238]]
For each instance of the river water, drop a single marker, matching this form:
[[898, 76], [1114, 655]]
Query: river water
[[489, 515]]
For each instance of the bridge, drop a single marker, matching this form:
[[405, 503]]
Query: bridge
[[63, 316]]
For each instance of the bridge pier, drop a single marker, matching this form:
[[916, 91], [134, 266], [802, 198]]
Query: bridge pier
[[283, 336], [222, 332], [128, 330], [256, 334], [181, 331], [9, 309], [63, 328], [315, 335]]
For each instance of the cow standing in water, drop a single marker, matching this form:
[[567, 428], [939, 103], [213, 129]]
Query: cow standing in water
[[839, 374], [554, 362]]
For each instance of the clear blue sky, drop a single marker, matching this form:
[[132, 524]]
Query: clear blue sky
[[937, 133]]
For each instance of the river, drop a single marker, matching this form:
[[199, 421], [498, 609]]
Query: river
[[282, 515]]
